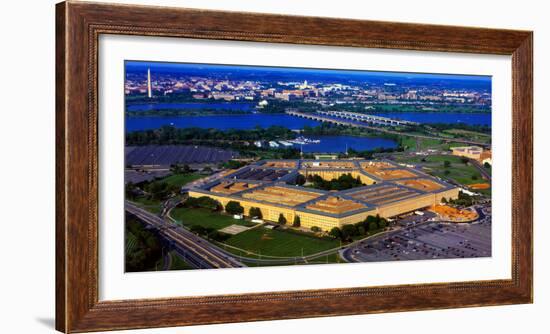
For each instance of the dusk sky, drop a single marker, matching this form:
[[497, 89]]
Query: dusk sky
[[176, 67]]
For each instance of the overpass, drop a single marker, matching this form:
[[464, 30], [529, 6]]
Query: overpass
[[345, 122], [198, 252]]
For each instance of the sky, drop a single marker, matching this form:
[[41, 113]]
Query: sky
[[177, 67]]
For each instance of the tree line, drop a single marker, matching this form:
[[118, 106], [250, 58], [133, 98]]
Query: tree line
[[143, 248], [170, 135], [343, 182], [368, 226]]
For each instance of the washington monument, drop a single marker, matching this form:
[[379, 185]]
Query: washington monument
[[149, 93]]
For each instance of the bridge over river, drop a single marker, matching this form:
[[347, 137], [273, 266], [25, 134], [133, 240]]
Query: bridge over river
[[352, 121], [373, 119]]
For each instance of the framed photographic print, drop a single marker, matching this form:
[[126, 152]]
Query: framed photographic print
[[321, 166]]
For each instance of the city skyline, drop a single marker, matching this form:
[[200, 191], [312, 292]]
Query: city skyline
[[165, 66]]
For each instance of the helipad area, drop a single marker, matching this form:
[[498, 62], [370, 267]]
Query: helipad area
[[390, 190]]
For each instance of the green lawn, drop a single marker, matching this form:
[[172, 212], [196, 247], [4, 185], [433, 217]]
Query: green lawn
[[457, 171], [463, 175], [332, 258], [180, 179], [279, 242], [430, 159], [150, 205], [471, 135], [410, 144], [204, 217], [178, 263]]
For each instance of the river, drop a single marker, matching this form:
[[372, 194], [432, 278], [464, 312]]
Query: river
[[224, 106], [328, 143], [439, 117]]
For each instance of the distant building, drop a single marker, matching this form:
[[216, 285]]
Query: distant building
[[326, 156], [472, 152]]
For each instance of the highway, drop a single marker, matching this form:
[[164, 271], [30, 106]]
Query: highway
[[486, 175], [196, 251]]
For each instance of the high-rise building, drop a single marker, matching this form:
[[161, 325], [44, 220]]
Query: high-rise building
[[149, 92]]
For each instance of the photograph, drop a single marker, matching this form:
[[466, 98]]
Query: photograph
[[275, 167], [235, 166]]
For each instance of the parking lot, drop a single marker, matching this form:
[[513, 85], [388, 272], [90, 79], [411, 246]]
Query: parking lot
[[427, 240]]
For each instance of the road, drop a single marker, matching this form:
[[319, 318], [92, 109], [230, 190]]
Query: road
[[486, 175], [196, 251]]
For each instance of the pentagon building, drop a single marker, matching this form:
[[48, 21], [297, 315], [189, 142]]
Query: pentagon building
[[390, 190]]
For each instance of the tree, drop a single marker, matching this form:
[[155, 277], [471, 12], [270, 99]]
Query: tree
[[130, 190], [191, 202], [175, 168], [316, 229], [198, 229], [186, 169], [382, 223], [218, 236], [348, 230], [233, 164], [208, 203], [487, 165], [296, 222], [336, 232], [255, 212], [282, 219], [204, 202], [234, 208], [370, 219], [300, 180], [464, 160], [373, 226], [446, 164], [443, 200], [160, 189]]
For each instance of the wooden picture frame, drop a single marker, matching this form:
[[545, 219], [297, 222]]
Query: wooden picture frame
[[78, 26]]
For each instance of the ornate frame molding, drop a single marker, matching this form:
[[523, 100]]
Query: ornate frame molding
[[78, 27]]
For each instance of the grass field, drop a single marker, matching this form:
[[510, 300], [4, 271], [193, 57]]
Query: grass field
[[279, 242], [472, 135], [332, 258], [178, 263], [150, 205], [204, 217], [180, 179], [457, 171], [419, 144]]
